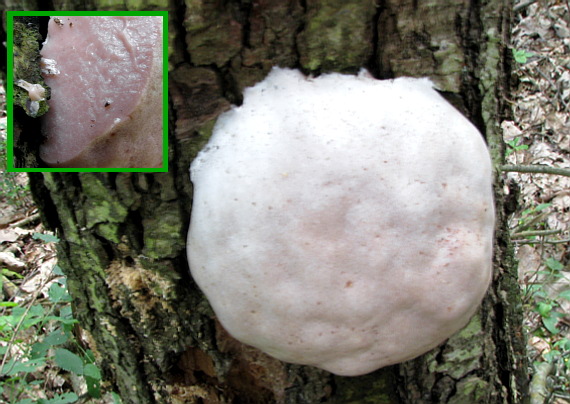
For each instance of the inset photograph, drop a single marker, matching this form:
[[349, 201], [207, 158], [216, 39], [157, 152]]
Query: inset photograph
[[89, 92]]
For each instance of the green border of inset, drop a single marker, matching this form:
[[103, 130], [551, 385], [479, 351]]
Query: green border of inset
[[9, 83]]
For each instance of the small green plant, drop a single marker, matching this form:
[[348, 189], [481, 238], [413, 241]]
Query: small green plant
[[547, 307], [532, 218], [521, 55], [13, 193], [515, 145], [36, 334], [548, 315]]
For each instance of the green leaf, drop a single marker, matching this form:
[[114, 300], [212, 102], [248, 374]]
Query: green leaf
[[93, 387], [64, 398], [39, 350], [69, 361], [48, 238], [526, 212], [515, 145], [92, 371], [564, 344], [540, 293], [89, 356], [550, 324], [66, 312], [521, 56], [542, 206], [565, 294], [116, 398], [13, 366], [551, 355], [554, 264], [32, 317], [65, 321], [544, 309], [8, 273], [66, 318], [30, 401], [58, 293], [35, 315], [8, 304], [62, 281], [56, 337], [93, 379], [57, 270]]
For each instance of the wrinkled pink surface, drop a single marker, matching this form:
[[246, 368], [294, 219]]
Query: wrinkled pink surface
[[105, 64]]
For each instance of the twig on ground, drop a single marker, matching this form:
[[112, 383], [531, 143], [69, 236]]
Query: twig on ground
[[538, 385], [536, 169], [531, 233], [31, 219], [549, 241]]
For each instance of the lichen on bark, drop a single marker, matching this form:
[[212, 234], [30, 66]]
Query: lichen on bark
[[213, 34], [333, 27], [26, 66], [428, 46]]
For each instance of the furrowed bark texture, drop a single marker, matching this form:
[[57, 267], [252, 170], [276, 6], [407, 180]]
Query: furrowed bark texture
[[123, 235]]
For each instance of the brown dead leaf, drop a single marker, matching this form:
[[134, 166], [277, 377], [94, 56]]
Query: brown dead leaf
[[9, 260], [8, 235]]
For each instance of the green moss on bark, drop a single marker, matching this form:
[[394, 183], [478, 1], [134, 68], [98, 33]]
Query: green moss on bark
[[103, 210], [471, 390], [462, 352], [162, 232], [27, 64], [374, 388], [338, 35]]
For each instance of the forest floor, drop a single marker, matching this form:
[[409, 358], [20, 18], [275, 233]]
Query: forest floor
[[38, 336], [537, 134]]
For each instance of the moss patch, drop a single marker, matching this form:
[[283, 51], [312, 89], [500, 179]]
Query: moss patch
[[162, 232], [103, 209], [27, 63], [336, 35], [462, 352], [373, 388]]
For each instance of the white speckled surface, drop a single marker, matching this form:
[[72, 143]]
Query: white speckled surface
[[110, 69], [342, 222]]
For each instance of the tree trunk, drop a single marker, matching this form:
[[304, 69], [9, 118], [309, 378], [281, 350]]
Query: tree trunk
[[123, 235]]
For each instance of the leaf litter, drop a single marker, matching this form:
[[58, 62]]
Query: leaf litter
[[539, 134]]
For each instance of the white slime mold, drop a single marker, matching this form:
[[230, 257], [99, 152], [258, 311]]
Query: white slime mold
[[341, 221], [88, 61]]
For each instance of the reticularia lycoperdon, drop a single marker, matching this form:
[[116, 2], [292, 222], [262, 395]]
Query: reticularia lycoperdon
[[341, 221], [105, 74]]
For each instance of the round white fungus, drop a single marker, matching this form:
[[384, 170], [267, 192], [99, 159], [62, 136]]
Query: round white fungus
[[341, 221]]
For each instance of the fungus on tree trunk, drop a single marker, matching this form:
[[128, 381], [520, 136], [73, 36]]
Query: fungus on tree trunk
[[341, 221], [105, 75]]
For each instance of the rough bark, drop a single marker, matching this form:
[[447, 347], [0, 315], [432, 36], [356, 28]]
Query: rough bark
[[123, 235]]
